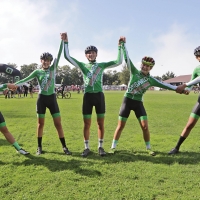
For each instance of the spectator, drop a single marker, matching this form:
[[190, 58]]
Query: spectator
[[25, 90]]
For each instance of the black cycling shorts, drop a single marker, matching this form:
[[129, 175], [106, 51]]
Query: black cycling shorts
[[1, 118], [47, 101], [130, 104], [196, 108], [93, 99]]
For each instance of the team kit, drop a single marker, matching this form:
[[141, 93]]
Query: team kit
[[139, 82]]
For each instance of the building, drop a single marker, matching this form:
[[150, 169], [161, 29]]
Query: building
[[178, 80]]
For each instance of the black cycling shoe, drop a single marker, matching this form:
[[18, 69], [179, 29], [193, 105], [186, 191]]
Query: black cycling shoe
[[85, 152], [173, 151], [101, 151], [66, 151]]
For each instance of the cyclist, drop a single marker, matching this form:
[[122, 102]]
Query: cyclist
[[93, 92], [139, 82], [47, 97], [3, 128], [195, 114]]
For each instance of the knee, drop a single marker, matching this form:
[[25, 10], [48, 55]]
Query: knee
[[190, 126], [40, 124], [144, 127], [87, 125], [120, 127], [57, 124]]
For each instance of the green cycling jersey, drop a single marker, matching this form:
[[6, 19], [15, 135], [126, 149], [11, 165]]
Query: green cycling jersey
[[195, 78], [92, 72], [45, 77], [139, 83]]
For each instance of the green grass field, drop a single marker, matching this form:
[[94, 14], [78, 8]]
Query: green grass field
[[129, 174]]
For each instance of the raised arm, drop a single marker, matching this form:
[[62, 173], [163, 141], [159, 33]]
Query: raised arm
[[67, 56], [129, 63], [56, 61], [119, 59]]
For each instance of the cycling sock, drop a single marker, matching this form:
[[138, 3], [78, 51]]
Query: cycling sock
[[148, 146], [39, 141], [62, 140], [16, 145], [180, 141], [86, 143], [114, 144], [100, 143]]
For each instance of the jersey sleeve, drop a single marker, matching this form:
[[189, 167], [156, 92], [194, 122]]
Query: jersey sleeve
[[73, 61], [56, 60], [155, 82], [194, 79], [116, 62], [129, 63], [193, 82], [3, 87], [27, 79]]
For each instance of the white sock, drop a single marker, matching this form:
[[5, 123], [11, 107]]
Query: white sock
[[86, 143], [114, 144], [100, 143]]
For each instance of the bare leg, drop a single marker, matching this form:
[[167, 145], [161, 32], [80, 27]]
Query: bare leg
[[100, 123], [189, 126], [146, 136], [86, 129], [58, 125], [145, 130], [117, 134], [7, 135], [119, 129], [40, 127]]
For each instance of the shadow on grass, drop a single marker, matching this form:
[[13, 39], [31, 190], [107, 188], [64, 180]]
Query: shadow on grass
[[4, 142], [2, 163], [183, 158], [58, 165]]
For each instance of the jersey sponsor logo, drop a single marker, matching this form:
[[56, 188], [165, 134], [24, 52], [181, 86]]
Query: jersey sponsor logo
[[139, 86], [92, 75], [46, 80]]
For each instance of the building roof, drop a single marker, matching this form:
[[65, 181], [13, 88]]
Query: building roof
[[179, 79]]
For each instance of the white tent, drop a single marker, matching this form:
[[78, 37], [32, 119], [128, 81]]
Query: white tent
[[123, 85]]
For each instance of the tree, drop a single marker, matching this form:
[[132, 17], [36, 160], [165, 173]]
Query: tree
[[111, 78], [107, 78], [158, 78], [26, 70], [168, 75], [116, 78], [64, 75], [125, 75], [76, 76]]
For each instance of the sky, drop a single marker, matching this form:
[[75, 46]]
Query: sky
[[167, 30]]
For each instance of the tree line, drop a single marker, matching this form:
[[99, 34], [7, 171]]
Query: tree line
[[73, 76]]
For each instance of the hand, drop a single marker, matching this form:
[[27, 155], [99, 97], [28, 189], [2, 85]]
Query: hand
[[186, 92], [180, 88], [5, 91], [122, 39], [64, 37], [12, 87]]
